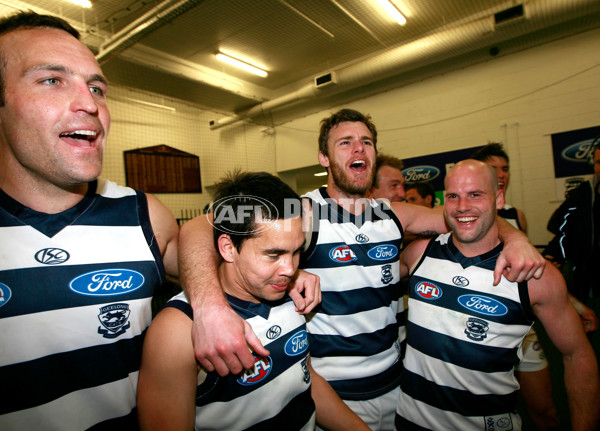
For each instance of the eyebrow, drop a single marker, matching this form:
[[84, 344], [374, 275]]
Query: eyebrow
[[60, 68]]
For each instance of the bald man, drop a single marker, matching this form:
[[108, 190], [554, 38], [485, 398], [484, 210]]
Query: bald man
[[464, 335]]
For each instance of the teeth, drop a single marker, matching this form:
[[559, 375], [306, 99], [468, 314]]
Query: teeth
[[80, 132], [466, 219], [358, 163]]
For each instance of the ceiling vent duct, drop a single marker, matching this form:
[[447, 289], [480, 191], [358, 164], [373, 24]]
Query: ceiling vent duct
[[510, 15], [325, 80]]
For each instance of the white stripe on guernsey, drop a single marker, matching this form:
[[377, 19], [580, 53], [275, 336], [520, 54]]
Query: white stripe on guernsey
[[78, 410], [85, 246], [355, 367], [332, 280], [258, 405], [284, 316], [453, 324], [443, 271], [353, 324], [109, 189], [454, 376], [330, 232], [418, 412], [37, 338]]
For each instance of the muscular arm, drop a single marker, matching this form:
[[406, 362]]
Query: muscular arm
[[552, 307], [518, 261], [332, 413], [165, 230], [220, 336], [167, 380]]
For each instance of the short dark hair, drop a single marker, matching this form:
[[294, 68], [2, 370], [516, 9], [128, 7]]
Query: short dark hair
[[492, 149], [423, 188], [386, 160], [270, 199], [343, 116], [28, 20]]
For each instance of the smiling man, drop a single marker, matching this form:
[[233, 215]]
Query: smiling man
[[81, 257], [465, 334]]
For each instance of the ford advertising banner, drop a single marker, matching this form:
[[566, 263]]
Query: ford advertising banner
[[571, 151], [432, 168]]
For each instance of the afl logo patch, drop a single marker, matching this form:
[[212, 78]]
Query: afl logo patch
[[297, 344], [51, 256], [273, 332], [383, 252], [107, 282], [428, 290], [460, 281], [5, 294], [262, 368], [342, 253], [483, 305]]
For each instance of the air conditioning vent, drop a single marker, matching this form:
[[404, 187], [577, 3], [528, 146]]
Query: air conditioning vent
[[509, 15], [324, 80]]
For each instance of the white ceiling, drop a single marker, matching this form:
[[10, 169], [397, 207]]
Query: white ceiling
[[168, 47]]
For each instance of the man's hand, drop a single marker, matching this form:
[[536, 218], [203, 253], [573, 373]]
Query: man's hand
[[519, 261], [305, 291], [587, 315], [221, 339]]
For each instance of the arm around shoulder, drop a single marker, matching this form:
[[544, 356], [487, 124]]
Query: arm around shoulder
[[166, 232]]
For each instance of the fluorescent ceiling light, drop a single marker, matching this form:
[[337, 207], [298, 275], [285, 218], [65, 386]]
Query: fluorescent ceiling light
[[242, 65], [392, 11], [320, 174], [82, 3]]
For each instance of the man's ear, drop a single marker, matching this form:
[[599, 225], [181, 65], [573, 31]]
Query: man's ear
[[227, 249], [323, 160], [500, 199]]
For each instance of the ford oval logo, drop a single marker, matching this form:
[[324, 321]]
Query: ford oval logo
[[383, 252], [577, 152], [483, 305], [297, 344], [262, 368], [5, 294], [107, 282], [342, 253], [428, 290], [420, 173]]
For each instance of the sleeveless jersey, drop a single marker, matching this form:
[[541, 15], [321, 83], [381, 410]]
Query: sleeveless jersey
[[275, 395], [355, 333], [510, 214], [75, 299], [464, 339]]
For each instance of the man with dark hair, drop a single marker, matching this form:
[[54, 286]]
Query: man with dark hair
[[356, 333], [388, 181], [258, 233], [81, 256], [420, 193], [465, 332]]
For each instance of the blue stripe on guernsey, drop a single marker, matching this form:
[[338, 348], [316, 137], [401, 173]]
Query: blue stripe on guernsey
[[462, 352], [462, 344], [356, 259], [402, 424], [282, 381], [455, 400], [72, 349], [67, 372]]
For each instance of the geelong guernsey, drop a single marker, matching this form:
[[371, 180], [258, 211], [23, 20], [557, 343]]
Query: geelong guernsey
[[275, 395], [464, 339], [510, 214], [75, 292], [355, 333]]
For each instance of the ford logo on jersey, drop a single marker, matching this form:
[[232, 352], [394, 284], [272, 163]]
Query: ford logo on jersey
[[297, 344], [428, 290], [577, 152], [483, 305], [107, 282], [5, 294], [420, 173], [383, 252], [262, 368], [342, 253]]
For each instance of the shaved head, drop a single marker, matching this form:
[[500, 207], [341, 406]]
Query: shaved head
[[472, 166]]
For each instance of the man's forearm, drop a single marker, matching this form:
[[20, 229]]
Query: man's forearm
[[507, 232], [583, 390]]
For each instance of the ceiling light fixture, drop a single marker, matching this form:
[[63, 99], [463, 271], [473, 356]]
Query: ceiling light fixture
[[320, 174], [82, 3], [241, 64], [392, 11]]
